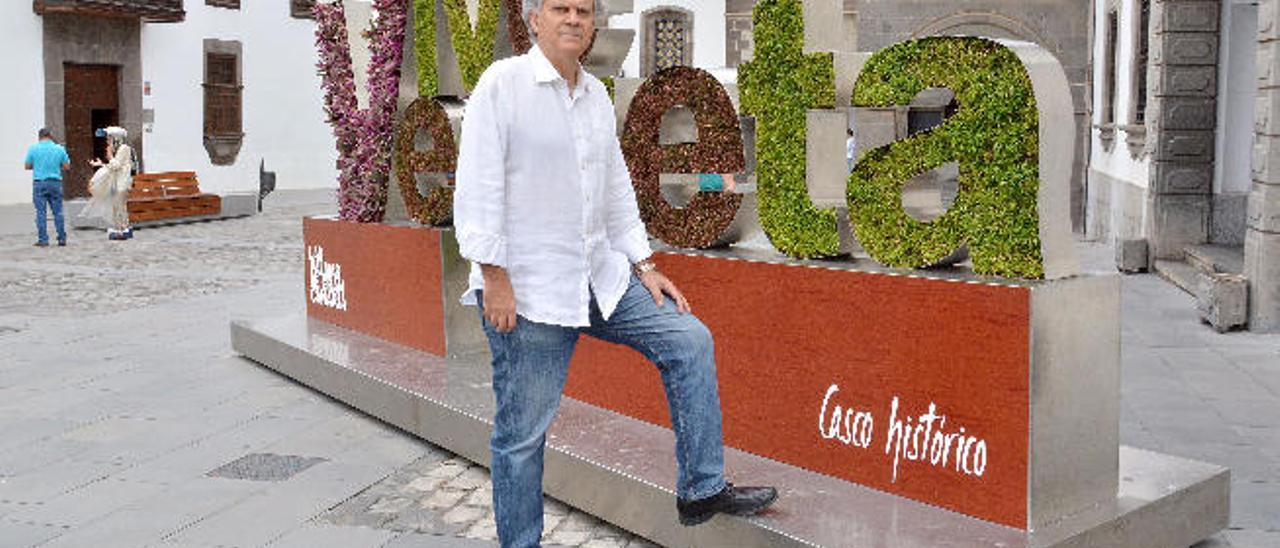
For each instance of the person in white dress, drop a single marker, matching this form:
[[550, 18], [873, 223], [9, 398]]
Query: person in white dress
[[110, 184]]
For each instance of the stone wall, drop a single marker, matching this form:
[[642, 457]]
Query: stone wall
[[1182, 117]]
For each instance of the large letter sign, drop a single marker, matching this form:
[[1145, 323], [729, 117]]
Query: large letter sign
[[1010, 209], [993, 136], [995, 398]]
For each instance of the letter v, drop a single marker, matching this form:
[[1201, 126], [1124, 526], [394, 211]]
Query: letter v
[[364, 137]]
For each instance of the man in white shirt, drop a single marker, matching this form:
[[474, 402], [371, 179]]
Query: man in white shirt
[[546, 213]]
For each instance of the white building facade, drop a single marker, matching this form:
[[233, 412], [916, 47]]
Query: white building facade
[[282, 121], [1201, 102], [1184, 143], [218, 87]]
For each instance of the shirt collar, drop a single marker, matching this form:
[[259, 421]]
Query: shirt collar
[[545, 72]]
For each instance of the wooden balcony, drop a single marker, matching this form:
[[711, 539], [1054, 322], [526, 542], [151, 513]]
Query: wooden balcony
[[154, 11]]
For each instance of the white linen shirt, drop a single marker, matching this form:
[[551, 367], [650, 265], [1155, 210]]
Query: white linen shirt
[[543, 191]]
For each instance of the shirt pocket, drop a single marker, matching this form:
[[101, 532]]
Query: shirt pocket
[[598, 141]]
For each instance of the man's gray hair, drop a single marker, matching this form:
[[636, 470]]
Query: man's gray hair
[[531, 6]]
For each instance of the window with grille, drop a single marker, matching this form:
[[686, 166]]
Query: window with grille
[[221, 95], [667, 40], [231, 4], [301, 8], [668, 43], [223, 100]]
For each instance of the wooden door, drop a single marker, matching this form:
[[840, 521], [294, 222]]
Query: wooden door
[[92, 100]]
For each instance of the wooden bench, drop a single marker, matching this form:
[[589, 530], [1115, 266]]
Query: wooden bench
[[169, 195]]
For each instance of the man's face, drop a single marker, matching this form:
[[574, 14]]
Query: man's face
[[564, 27]]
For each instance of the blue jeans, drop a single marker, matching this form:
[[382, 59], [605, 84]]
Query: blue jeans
[[48, 193], [530, 365]]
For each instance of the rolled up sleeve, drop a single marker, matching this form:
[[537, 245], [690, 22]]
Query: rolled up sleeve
[[627, 233], [479, 202]]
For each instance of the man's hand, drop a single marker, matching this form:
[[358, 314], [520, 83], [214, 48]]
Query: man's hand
[[499, 299], [657, 284]]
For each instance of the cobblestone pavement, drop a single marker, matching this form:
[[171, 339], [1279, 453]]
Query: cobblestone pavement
[[119, 395], [440, 494]]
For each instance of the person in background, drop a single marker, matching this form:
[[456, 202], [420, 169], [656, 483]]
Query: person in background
[[111, 183], [849, 143], [47, 160]]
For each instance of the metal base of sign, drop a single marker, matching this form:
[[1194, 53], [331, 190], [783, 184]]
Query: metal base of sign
[[622, 470]]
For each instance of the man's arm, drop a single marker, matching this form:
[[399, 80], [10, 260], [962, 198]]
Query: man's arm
[[479, 201], [26, 163]]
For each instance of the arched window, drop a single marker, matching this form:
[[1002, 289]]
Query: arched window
[[668, 40]]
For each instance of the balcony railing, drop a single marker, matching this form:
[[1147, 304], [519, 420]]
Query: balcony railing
[[159, 11]]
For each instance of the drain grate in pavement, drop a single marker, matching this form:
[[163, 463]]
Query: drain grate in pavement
[[264, 467]]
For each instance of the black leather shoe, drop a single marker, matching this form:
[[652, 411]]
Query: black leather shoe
[[739, 501]]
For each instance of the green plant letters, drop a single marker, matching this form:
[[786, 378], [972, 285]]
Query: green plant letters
[[994, 139], [993, 136]]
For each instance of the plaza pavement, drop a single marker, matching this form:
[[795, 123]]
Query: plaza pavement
[[126, 419]]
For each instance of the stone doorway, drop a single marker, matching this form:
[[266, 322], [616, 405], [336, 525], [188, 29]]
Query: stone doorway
[[92, 100]]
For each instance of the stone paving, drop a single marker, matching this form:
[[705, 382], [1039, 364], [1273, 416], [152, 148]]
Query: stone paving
[[125, 420], [119, 395], [440, 494]]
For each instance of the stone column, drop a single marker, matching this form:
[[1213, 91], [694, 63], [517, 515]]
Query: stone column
[[1262, 233], [1183, 113]]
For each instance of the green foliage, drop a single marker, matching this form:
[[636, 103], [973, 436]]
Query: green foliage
[[994, 139], [424, 47], [474, 48], [778, 86]]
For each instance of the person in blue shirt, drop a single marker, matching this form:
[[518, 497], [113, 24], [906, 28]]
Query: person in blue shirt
[[47, 160]]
